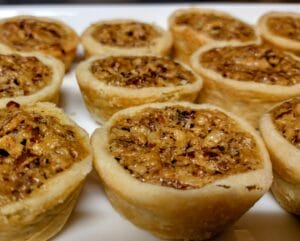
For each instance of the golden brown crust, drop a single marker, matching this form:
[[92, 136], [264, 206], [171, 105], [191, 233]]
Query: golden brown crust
[[126, 37], [39, 215], [281, 29], [174, 213], [246, 98], [29, 77], [102, 99], [45, 35], [284, 154], [192, 28]]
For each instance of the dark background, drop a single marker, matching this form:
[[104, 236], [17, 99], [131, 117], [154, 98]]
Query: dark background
[[132, 1]]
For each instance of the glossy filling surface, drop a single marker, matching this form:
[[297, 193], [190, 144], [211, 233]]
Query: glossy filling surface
[[127, 34], [140, 72], [287, 27], [262, 64], [286, 118], [34, 147], [217, 27], [27, 34], [182, 148], [21, 76]]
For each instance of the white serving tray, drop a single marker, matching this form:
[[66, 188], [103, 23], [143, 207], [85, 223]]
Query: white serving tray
[[94, 219]]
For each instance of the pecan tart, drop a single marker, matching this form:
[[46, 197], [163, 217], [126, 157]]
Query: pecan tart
[[246, 79], [192, 28], [109, 84], [29, 77], [126, 37], [280, 128], [281, 29], [44, 159], [181, 170], [46, 35]]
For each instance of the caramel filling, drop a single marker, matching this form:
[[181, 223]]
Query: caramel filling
[[217, 27], [139, 72], [262, 64], [34, 147], [33, 35], [181, 147], [286, 118], [21, 76], [127, 34], [284, 26]]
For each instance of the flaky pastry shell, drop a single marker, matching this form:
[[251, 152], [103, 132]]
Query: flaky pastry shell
[[247, 99], [64, 37], [285, 159], [170, 213], [43, 213], [103, 100], [161, 45], [50, 92], [273, 37], [187, 40]]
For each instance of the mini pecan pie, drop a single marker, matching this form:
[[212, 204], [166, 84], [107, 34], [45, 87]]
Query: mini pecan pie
[[112, 83], [44, 159], [179, 170], [126, 37], [246, 79], [45, 35], [281, 29], [280, 128], [194, 27], [29, 77]]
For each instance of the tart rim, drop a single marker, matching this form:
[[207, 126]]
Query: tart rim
[[272, 91], [122, 181], [160, 45], [58, 71], [273, 38], [286, 155]]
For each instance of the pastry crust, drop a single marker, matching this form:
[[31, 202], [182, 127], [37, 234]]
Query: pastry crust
[[103, 99], [172, 213], [38, 216], [283, 34], [49, 92], [285, 159], [46, 35], [246, 97], [160, 44], [187, 39]]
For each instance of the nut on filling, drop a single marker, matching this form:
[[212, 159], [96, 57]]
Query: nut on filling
[[127, 34], [34, 147], [31, 34], [217, 27], [262, 64], [286, 118], [139, 72], [182, 148], [284, 26], [21, 76]]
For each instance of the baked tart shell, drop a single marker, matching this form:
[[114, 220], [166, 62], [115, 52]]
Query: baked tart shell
[[48, 93], [285, 160], [69, 43], [277, 40], [247, 99], [103, 100], [186, 40], [161, 46], [173, 213], [41, 215]]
